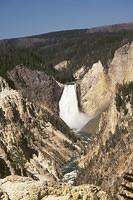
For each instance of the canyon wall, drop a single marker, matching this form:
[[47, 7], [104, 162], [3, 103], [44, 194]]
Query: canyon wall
[[97, 87], [37, 86], [109, 155], [33, 142]]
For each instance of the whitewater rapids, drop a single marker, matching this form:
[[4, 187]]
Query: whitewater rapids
[[69, 111]]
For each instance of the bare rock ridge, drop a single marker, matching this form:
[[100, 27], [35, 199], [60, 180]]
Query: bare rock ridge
[[37, 86], [33, 142]]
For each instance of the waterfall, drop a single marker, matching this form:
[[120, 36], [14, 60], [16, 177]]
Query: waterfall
[[69, 110]]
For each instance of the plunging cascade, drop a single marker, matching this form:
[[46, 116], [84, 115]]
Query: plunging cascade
[[69, 110]]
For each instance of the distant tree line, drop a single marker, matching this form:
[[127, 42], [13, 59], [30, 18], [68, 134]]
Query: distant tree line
[[77, 46]]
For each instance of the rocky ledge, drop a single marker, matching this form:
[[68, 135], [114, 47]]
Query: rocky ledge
[[22, 188]]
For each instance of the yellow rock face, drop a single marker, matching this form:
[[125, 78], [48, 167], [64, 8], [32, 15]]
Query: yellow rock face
[[98, 87], [95, 90]]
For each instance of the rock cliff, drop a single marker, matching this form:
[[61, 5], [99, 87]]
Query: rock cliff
[[97, 87], [95, 90], [110, 153], [37, 86], [33, 142], [121, 68]]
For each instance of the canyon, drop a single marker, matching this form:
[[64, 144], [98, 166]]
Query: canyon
[[72, 140]]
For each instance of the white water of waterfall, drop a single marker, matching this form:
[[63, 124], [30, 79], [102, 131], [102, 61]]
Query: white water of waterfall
[[69, 110]]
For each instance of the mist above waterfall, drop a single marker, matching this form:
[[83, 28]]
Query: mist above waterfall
[[69, 110]]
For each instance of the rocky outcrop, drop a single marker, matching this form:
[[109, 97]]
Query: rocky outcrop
[[79, 73], [121, 68], [22, 188], [33, 142], [62, 65], [37, 86], [110, 153], [3, 84], [126, 186]]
